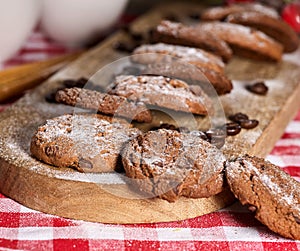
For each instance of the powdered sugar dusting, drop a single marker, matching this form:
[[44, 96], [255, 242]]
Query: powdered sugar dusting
[[172, 93], [173, 154], [84, 131], [263, 9], [220, 12], [188, 54], [20, 122], [278, 190], [242, 35], [167, 26]]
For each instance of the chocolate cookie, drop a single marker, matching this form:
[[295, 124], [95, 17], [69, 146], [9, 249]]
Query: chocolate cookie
[[205, 78], [161, 91], [268, 191], [245, 41], [154, 53], [104, 103], [180, 34], [168, 164], [273, 27], [87, 143], [219, 13]]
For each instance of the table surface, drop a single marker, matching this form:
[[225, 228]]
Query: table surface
[[232, 228]]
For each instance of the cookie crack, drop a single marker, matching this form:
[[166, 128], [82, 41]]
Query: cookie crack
[[252, 205]]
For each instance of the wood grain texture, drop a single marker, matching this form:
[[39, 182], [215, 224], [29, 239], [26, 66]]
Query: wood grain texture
[[16, 80], [107, 198]]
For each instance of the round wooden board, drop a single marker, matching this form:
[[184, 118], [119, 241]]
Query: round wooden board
[[98, 203]]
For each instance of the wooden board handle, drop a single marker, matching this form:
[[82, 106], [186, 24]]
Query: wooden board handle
[[16, 80]]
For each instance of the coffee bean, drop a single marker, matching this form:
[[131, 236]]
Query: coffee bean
[[69, 83], [172, 17], [258, 88], [232, 128], [124, 47], [168, 126], [81, 82], [164, 126], [50, 97], [238, 117], [125, 27], [195, 16], [151, 36], [138, 37], [249, 124]]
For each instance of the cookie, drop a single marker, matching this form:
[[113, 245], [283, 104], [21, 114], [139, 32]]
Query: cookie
[[169, 164], [209, 80], [154, 53], [273, 27], [269, 192], [161, 91], [104, 103], [180, 34], [219, 13], [87, 143], [245, 41]]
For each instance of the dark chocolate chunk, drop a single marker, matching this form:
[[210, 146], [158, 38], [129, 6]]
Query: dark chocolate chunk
[[51, 150], [70, 83]]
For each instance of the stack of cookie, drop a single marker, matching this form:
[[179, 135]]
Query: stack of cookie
[[168, 163], [249, 30], [257, 17]]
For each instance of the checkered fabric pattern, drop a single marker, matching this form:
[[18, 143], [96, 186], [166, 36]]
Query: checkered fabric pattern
[[232, 228]]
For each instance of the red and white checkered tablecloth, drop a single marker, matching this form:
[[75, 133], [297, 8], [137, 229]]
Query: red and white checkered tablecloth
[[232, 228]]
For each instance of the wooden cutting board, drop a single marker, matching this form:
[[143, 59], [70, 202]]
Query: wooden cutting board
[[106, 197]]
